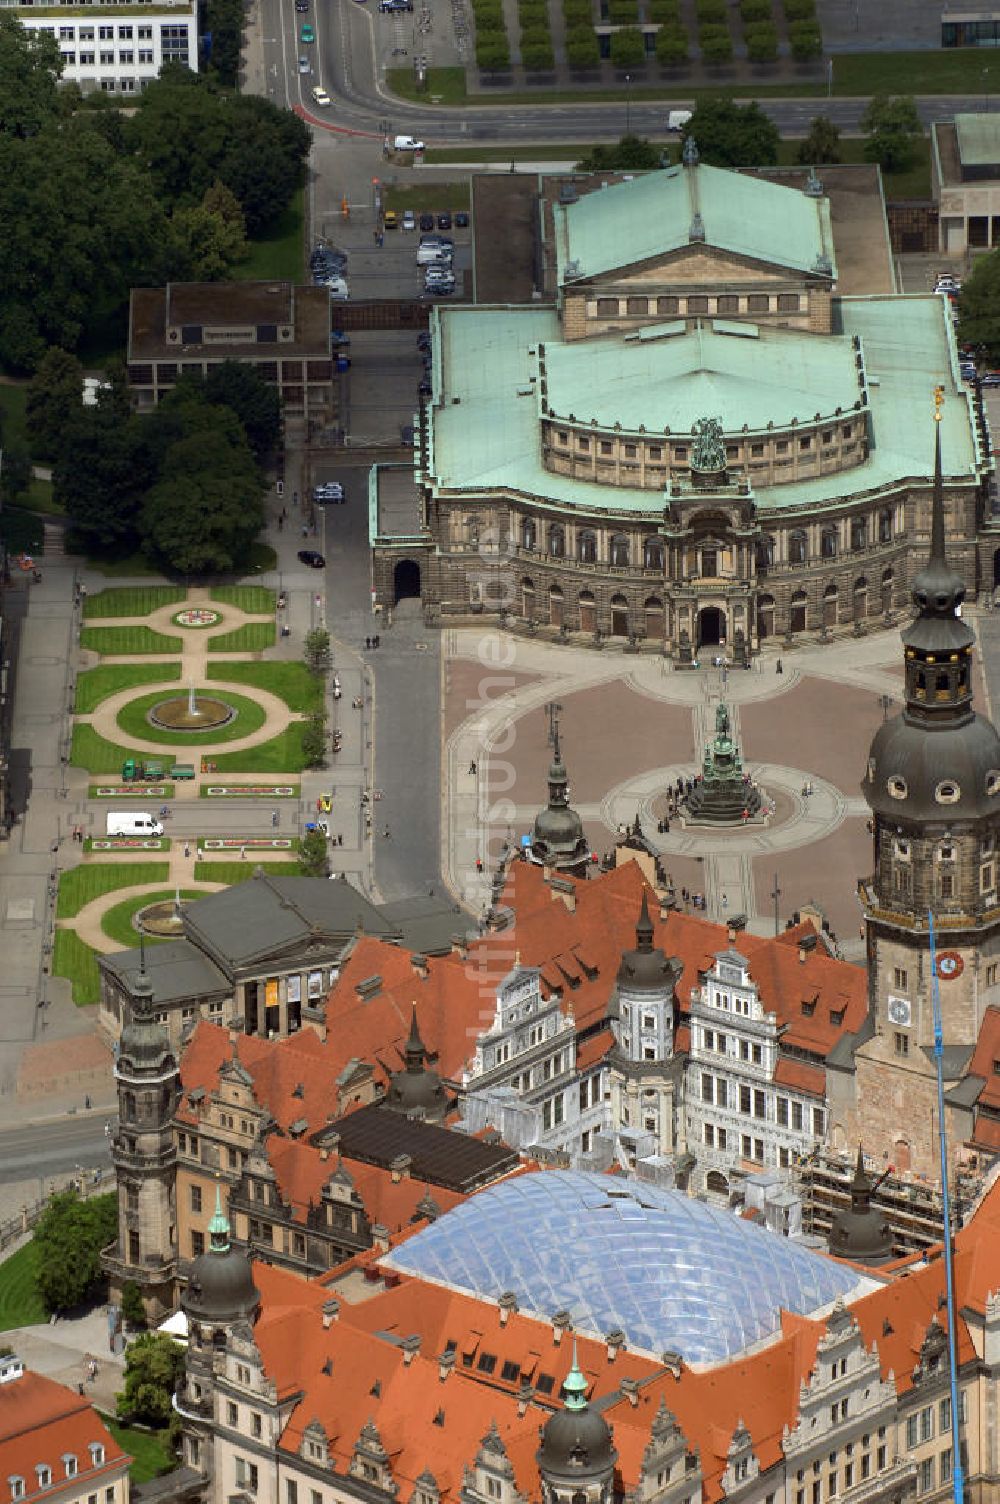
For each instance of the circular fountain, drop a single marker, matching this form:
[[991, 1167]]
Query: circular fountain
[[191, 712]]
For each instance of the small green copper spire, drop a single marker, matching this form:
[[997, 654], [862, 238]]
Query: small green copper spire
[[218, 1228], [575, 1386]]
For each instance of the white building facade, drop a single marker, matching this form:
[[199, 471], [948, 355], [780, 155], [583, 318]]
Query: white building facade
[[118, 48]]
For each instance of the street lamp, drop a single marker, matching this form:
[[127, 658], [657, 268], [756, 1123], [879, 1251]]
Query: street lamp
[[628, 104]]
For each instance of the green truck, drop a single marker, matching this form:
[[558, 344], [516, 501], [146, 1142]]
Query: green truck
[[151, 771]]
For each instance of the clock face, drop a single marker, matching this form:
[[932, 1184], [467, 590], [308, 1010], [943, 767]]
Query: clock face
[[900, 1011], [949, 965]]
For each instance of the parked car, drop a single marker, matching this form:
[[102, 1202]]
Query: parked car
[[307, 35], [444, 221], [305, 66], [409, 220], [990, 378], [312, 558], [461, 220], [321, 97], [301, 6], [439, 240], [406, 435], [328, 490], [425, 389], [430, 255], [424, 342], [427, 221], [390, 219]]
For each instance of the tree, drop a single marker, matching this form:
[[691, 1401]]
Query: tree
[[799, 10], [492, 52], [628, 47], [312, 854], [15, 472], [716, 44], [711, 12], [100, 473], [582, 48], [224, 19], [204, 511], [979, 306], [30, 66], [822, 143], [154, 1364], [806, 41], [536, 53], [762, 42], [255, 402], [664, 12], [631, 154], [316, 651], [623, 12], [732, 135], [210, 237], [755, 10], [671, 46], [54, 398], [133, 1310], [892, 126], [68, 1241], [314, 740]]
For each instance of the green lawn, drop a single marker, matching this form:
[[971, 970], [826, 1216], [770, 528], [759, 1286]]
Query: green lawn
[[121, 566], [132, 721], [127, 641], [95, 684], [280, 252], [291, 682], [915, 182], [435, 196], [256, 600], [21, 531], [150, 1450], [73, 959], [91, 751], [38, 498], [13, 402], [546, 151], [134, 600], [20, 1302], [283, 754], [237, 872], [444, 85], [83, 884], [117, 922], [252, 637]]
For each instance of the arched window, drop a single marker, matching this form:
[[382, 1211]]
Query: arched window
[[588, 611], [798, 547], [557, 541], [652, 553], [859, 533], [620, 551], [529, 533], [860, 598], [555, 606], [885, 525], [828, 543], [587, 547], [763, 553], [528, 599]]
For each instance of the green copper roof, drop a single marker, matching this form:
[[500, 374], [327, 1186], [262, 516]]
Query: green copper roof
[[652, 214], [485, 434], [657, 383], [218, 1228], [978, 139], [575, 1385]]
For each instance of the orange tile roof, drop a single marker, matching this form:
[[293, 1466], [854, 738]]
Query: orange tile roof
[[594, 1049], [302, 1171], [801, 1076], [986, 1058], [41, 1422], [986, 1134]]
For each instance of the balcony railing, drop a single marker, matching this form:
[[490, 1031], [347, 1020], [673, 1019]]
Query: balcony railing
[[885, 1486]]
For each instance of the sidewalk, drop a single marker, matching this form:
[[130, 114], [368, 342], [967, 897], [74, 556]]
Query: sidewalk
[[61, 1349]]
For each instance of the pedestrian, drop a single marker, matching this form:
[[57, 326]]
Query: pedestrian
[[385, 833], [281, 523], [86, 1103], [243, 853], [305, 531], [725, 901], [778, 668], [472, 768], [746, 816], [375, 640], [368, 642], [187, 849], [479, 864], [275, 818]]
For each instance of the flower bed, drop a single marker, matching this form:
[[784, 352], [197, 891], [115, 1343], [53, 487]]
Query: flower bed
[[130, 790], [245, 843], [128, 843], [251, 791]]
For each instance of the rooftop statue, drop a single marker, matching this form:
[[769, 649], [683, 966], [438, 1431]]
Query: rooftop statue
[[709, 448]]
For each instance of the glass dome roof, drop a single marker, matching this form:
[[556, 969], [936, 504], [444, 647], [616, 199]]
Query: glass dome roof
[[671, 1272]]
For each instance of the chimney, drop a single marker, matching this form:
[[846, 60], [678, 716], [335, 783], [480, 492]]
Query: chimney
[[561, 1323], [564, 889], [459, 947], [380, 1237], [331, 1313], [524, 1398], [410, 1346], [324, 1154], [630, 1389], [419, 964], [400, 1167], [730, 933], [807, 944], [616, 1341], [446, 1362], [507, 1303]]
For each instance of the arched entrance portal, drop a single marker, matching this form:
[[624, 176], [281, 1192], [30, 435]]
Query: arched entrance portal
[[996, 568], [711, 627], [619, 616], [406, 580]]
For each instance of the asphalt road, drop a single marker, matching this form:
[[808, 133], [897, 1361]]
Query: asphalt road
[[53, 1147], [347, 59]]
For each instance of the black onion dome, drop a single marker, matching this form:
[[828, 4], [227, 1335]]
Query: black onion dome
[[576, 1441], [220, 1287], [644, 969], [951, 772]]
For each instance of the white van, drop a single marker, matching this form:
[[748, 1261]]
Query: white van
[[121, 823], [677, 120], [407, 143]]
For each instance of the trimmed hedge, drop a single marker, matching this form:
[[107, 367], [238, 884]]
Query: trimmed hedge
[[799, 10], [628, 48], [493, 52], [671, 46], [664, 12], [755, 10], [762, 42], [582, 48], [623, 12], [806, 41], [716, 44], [711, 12], [536, 52]]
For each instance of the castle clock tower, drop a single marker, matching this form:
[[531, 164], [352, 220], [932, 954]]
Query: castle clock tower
[[933, 786]]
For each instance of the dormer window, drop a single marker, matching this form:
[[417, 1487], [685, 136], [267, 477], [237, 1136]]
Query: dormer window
[[16, 1486], [897, 787], [44, 1474], [96, 1454], [69, 1463], [947, 792]]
